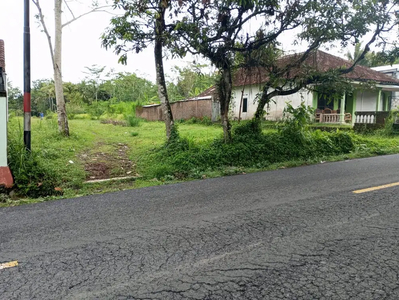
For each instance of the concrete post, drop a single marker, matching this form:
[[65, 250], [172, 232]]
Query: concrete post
[[342, 109], [5, 174], [378, 105]]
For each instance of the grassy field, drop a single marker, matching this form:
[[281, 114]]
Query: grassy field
[[97, 151]]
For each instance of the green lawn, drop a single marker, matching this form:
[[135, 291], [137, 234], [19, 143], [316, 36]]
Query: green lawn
[[125, 152], [90, 138]]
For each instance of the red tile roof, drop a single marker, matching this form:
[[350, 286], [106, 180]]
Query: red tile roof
[[316, 61]]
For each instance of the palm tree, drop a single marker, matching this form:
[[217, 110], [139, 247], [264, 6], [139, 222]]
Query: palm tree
[[355, 55]]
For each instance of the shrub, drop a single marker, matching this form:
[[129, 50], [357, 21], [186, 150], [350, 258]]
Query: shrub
[[250, 147], [391, 125], [32, 178], [133, 121], [252, 127], [203, 121]]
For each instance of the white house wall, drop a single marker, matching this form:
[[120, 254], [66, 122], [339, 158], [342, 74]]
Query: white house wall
[[274, 109], [250, 92], [366, 100]]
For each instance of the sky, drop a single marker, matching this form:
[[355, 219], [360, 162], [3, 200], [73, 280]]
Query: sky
[[81, 45]]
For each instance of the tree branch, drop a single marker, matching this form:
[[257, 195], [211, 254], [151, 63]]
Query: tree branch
[[96, 9], [41, 19]]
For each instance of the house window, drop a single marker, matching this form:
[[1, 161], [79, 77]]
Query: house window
[[244, 105]]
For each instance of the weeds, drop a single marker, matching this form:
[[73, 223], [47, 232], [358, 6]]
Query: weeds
[[32, 177]]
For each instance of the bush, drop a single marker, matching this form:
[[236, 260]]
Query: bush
[[133, 121], [31, 177], [252, 127], [391, 125], [203, 121], [251, 148]]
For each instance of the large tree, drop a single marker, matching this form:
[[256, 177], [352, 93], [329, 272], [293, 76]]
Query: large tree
[[144, 23], [220, 30], [332, 22], [56, 52]]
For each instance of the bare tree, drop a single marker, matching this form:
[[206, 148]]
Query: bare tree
[[56, 52]]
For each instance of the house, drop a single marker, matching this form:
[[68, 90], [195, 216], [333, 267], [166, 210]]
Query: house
[[392, 71], [374, 94], [364, 105]]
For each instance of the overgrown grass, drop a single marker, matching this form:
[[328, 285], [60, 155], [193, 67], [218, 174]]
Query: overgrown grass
[[198, 152]]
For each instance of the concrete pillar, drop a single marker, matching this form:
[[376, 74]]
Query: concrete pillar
[[342, 109], [354, 107], [378, 105], [3, 128], [314, 100], [5, 174]]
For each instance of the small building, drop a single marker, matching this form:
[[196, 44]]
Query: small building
[[203, 105]]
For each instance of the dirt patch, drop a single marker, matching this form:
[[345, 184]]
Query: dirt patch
[[114, 122], [110, 163]]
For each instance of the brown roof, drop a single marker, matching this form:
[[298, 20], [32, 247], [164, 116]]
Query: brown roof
[[317, 61], [208, 92]]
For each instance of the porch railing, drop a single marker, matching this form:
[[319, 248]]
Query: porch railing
[[371, 117], [332, 118]]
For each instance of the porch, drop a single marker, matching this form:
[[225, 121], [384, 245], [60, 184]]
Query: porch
[[360, 107]]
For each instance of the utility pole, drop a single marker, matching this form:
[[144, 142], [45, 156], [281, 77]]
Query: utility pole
[[27, 83], [5, 174]]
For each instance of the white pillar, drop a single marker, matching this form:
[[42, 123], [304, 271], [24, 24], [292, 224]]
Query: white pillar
[[5, 173], [342, 109], [378, 106], [3, 125]]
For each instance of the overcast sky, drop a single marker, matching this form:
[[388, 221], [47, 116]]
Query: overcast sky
[[81, 45]]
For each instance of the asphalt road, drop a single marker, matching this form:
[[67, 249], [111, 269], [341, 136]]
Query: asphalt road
[[297, 233]]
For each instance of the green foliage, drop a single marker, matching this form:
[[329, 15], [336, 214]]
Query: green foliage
[[191, 81], [296, 122], [133, 121], [196, 152], [375, 58], [15, 99], [203, 121], [248, 128], [249, 148], [32, 177], [392, 123]]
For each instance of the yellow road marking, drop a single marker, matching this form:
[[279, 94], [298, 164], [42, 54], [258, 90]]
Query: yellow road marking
[[10, 264], [375, 188]]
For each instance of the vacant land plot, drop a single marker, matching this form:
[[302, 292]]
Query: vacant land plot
[[96, 151]]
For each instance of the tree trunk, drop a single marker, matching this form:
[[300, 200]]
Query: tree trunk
[[160, 76], [225, 88], [264, 99], [63, 127]]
